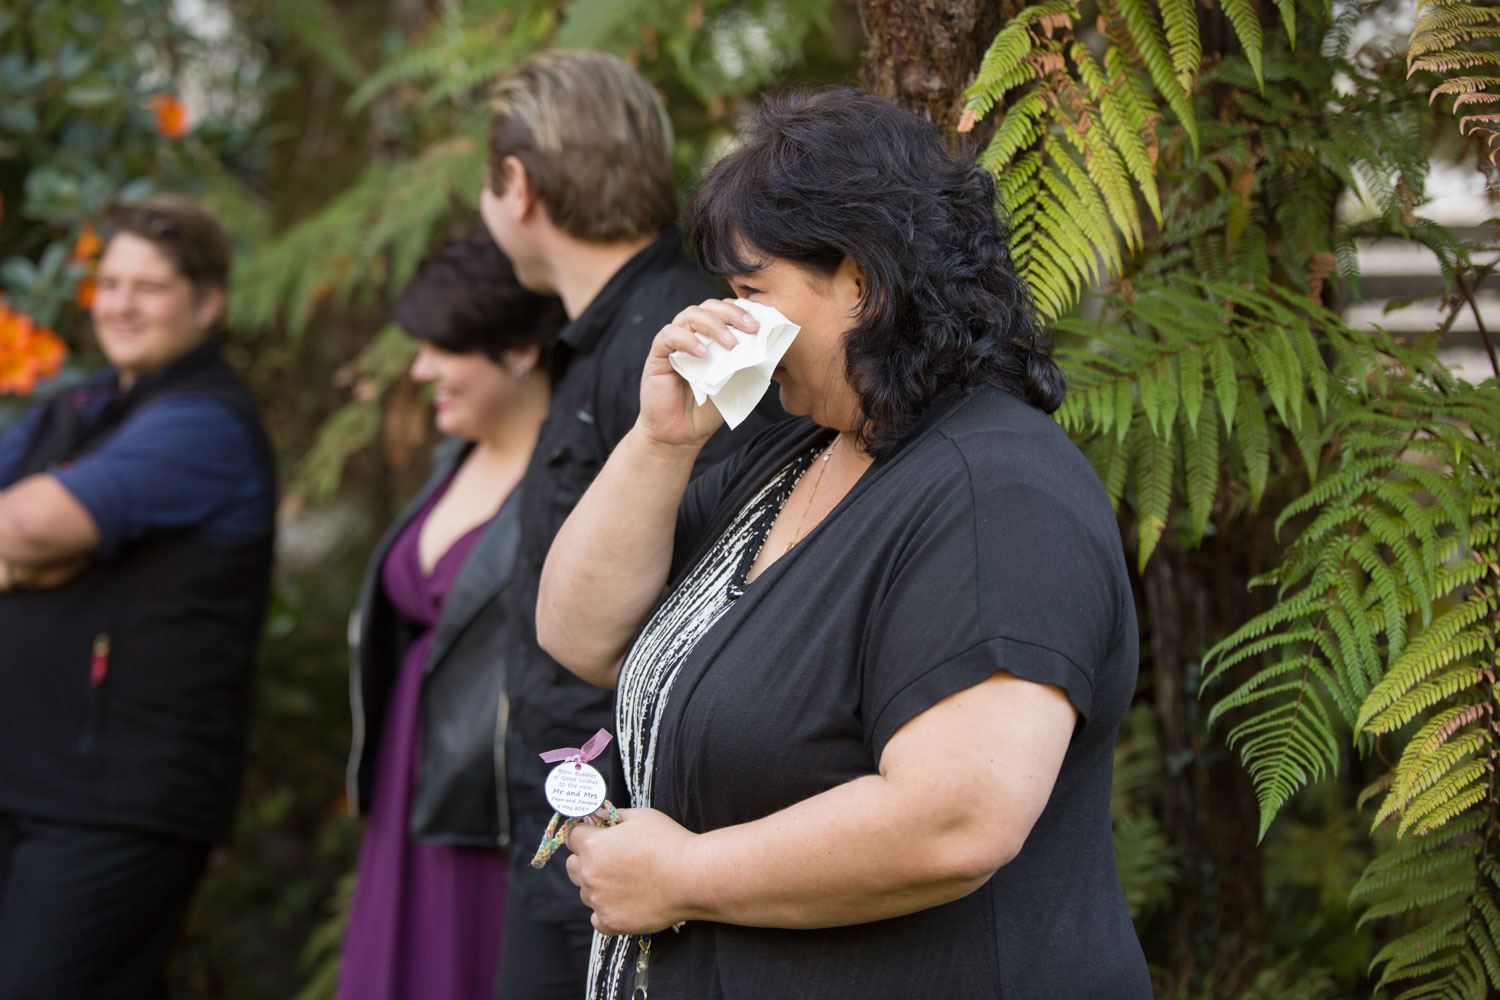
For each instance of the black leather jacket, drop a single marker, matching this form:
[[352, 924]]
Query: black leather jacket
[[460, 796]]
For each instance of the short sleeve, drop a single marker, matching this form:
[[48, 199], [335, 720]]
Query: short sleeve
[[995, 573], [181, 463], [750, 453]]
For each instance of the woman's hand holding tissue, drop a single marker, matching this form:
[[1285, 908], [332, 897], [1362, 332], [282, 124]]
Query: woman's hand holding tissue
[[670, 415]]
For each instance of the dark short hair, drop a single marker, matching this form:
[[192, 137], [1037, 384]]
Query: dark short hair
[[837, 174], [184, 232], [465, 298], [595, 141]]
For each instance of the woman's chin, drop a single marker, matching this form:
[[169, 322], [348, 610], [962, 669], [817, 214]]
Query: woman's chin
[[450, 423], [792, 401]]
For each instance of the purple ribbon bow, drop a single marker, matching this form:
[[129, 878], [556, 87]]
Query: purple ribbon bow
[[579, 755]]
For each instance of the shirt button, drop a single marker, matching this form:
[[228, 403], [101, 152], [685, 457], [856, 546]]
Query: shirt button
[[637, 319]]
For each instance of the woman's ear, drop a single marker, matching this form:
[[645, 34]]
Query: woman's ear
[[208, 309], [521, 361], [851, 282]]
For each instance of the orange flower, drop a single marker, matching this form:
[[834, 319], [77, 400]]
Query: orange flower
[[84, 293], [87, 246], [28, 352], [171, 116], [48, 352]]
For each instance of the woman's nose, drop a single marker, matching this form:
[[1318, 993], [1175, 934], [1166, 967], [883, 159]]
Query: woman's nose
[[114, 300], [422, 365]]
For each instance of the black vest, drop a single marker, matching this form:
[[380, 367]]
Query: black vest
[[124, 694]]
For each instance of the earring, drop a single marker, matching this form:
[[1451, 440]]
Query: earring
[[521, 372]]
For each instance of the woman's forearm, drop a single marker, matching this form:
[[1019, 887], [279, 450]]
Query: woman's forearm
[[609, 562], [958, 791], [854, 854]]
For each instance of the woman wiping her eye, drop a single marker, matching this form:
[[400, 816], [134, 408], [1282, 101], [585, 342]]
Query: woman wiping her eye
[[869, 670]]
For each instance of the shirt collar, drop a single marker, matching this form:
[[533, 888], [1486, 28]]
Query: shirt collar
[[584, 332]]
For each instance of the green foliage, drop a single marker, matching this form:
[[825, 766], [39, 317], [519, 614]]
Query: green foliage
[[1079, 143], [1180, 378], [355, 425], [363, 241], [1372, 558], [1288, 979], [1212, 391], [1143, 858], [321, 955], [78, 130]]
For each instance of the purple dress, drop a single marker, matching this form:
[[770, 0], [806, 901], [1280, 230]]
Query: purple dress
[[425, 919]]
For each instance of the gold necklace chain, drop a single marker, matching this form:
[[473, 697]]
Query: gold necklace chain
[[822, 468]]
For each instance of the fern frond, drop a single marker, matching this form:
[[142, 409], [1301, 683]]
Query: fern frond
[[1153, 492], [1146, 35], [1200, 452], [1245, 17], [1180, 19], [1437, 647], [1000, 71]]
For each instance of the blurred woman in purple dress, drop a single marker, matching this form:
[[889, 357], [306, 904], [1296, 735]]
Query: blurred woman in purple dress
[[428, 644]]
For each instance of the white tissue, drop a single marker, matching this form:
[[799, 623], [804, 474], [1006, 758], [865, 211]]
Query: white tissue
[[736, 378]]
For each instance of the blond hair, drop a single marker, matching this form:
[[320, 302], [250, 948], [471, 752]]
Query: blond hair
[[595, 142]]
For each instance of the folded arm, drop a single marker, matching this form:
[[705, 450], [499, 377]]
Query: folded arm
[[958, 790], [45, 533]]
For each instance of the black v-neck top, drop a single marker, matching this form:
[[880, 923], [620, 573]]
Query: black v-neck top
[[985, 543]]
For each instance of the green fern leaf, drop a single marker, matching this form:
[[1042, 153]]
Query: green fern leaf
[[1285, 747], [1200, 452], [1463, 788], [1226, 382], [1180, 19], [1245, 17], [1190, 382], [1005, 55], [1124, 121], [1253, 438], [1125, 406], [1153, 491], [1021, 126], [1114, 475], [1146, 34]]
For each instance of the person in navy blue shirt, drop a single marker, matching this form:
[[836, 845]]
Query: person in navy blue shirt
[[176, 464], [136, 538]]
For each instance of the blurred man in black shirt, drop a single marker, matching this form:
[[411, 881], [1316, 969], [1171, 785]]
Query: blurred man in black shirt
[[580, 196]]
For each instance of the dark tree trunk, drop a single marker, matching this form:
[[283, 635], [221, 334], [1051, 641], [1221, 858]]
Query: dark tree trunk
[[923, 54], [1217, 916]]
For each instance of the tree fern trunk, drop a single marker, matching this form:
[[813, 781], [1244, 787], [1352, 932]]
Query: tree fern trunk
[[1208, 810], [923, 53]]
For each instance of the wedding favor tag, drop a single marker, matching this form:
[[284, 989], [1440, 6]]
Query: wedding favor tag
[[575, 788]]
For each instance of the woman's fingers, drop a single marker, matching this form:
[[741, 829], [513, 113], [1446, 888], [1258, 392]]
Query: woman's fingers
[[623, 872], [678, 338], [714, 319], [669, 412]]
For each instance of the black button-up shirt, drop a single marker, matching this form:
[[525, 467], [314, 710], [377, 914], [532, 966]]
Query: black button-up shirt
[[597, 361]]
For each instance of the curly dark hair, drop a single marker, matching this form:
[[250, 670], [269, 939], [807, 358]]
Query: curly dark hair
[[465, 298], [837, 174]]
